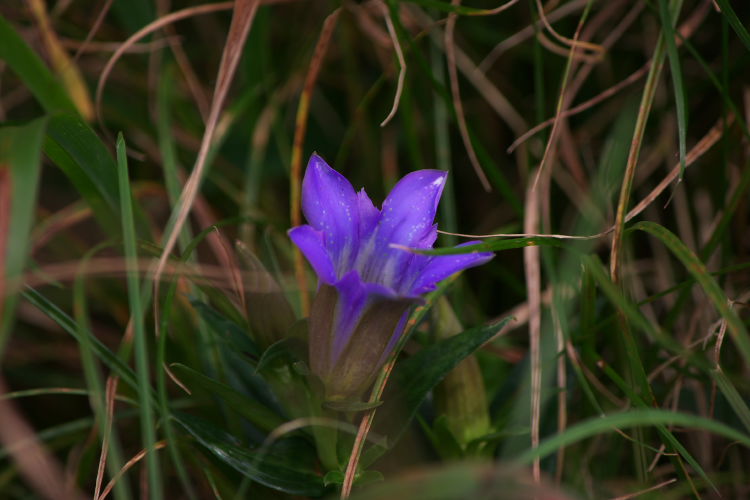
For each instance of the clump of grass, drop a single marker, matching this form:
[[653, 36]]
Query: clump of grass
[[151, 162]]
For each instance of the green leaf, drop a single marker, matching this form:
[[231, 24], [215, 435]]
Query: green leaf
[[494, 246], [253, 411], [66, 322], [625, 420], [25, 63], [20, 162], [84, 159], [287, 466], [137, 304], [711, 288], [739, 28], [667, 22], [227, 329], [290, 349], [414, 378]]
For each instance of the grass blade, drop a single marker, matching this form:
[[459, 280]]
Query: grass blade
[[667, 23], [45, 87], [20, 164], [142, 362], [695, 267]]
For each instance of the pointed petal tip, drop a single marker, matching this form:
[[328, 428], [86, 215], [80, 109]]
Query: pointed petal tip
[[312, 245]]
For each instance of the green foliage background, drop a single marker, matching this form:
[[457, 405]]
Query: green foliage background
[[629, 355]]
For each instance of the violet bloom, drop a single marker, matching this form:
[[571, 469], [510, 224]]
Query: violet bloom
[[367, 286]]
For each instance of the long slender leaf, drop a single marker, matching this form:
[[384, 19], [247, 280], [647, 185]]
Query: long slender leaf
[[20, 164], [284, 468], [32, 71], [695, 267], [253, 411], [142, 363], [625, 420], [734, 21], [414, 378], [667, 22]]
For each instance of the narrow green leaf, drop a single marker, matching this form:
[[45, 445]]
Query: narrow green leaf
[[25, 63], [737, 26], [414, 378], [667, 23], [696, 268], [287, 466], [625, 420], [142, 363], [733, 396], [85, 160], [253, 411], [106, 356], [20, 164], [227, 330], [495, 246]]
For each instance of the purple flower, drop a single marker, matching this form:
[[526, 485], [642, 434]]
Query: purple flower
[[367, 286]]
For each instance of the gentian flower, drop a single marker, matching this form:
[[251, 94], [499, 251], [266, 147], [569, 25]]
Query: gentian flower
[[367, 284]]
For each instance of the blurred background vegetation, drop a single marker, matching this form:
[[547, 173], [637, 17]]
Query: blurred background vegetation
[[629, 356]]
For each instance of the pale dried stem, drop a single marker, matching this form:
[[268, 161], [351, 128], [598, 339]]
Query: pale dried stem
[[111, 393], [706, 143], [193, 84], [401, 66], [527, 33], [647, 490], [145, 31], [300, 129], [242, 19], [532, 272], [94, 28], [686, 30], [572, 43], [549, 149], [213, 275], [497, 101], [450, 54], [130, 463], [364, 428]]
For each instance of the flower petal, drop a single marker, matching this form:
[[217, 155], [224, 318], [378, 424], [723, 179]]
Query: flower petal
[[368, 215], [331, 205], [409, 209], [440, 267], [312, 245]]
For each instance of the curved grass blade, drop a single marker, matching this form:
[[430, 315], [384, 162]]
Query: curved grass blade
[[25, 63], [696, 268], [633, 418]]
